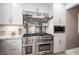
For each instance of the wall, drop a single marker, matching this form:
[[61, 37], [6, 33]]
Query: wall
[[72, 28]]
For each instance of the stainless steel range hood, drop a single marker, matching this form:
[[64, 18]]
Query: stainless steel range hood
[[40, 17]]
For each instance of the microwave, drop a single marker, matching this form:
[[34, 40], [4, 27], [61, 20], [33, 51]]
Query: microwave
[[59, 29]]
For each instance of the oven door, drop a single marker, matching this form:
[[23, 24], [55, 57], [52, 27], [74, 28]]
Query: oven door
[[44, 48], [27, 50]]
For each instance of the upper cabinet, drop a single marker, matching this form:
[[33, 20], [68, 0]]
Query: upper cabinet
[[16, 14], [60, 20], [4, 13], [10, 14], [59, 14]]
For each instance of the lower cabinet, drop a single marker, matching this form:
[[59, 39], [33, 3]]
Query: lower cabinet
[[59, 43], [0, 47], [11, 47]]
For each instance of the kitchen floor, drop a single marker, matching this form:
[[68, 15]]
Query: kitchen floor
[[62, 53]]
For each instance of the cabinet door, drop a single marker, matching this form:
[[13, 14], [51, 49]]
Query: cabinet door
[[11, 47], [56, 20], [63, 19], [59, 43], [16, 14], [58, 14], [0, 47], [4, 13], [59, 20], [56, 45], [3, 47], [62, 44]]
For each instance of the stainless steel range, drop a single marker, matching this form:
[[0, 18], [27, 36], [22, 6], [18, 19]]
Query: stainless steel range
[[44, 44], [38, 43], [28, 44]]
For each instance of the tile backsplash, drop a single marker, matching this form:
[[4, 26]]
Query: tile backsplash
[[10, 30]]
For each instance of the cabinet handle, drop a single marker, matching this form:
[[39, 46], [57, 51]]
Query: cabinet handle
[[13, 49], [59, 41]]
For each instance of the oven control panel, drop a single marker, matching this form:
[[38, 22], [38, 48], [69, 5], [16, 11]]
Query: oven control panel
[[28, 40], [44, 39]]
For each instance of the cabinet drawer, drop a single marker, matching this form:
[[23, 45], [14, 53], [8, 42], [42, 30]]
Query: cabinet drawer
[[13, 49], [13, 52], [11, 42], [7, 45], [11, 46], [59, 36]]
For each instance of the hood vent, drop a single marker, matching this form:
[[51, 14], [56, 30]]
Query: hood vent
[[39, 16]]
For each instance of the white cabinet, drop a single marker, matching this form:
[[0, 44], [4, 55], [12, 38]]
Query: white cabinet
[[59, 43], [11, 47], [60, 20], [4, 13], [10, 14], [59, 14], [16, 14]]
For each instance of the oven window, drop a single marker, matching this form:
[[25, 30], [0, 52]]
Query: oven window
[[28, 49], [43, 47]]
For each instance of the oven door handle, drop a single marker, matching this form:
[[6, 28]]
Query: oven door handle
[[36, 46]]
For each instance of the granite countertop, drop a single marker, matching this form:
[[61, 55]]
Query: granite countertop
[[11, 37]]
